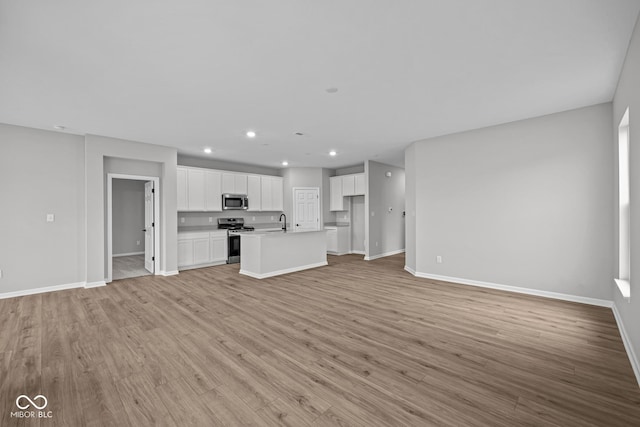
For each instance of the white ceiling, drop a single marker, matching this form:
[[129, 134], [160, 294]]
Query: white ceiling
[[198, 73]]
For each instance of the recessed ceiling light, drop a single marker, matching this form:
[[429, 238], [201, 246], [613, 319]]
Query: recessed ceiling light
[[332, 153], [207, 150], [251, 134], [59, 127], [285, 163], [332, 90]]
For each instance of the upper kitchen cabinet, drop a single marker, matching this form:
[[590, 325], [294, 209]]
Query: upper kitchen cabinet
[[336, 201], [359, 179], [198, 190], [344, 186], [272, 193], [254, 192], [234, 183]]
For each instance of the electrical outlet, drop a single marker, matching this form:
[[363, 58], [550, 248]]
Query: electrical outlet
[[376, 244], [210, 219], [138, 242], [51, 217], [253, 218], [373, 213], [439, 259], [0, 274], [182, 220], [272, 218]]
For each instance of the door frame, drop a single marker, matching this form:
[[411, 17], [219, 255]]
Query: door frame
[[156, 219], [293, 206]]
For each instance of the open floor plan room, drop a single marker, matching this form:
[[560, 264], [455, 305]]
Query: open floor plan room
[[353, 343]]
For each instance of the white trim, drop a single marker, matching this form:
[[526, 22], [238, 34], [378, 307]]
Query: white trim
[[95, 284], [169, 273], [207, 264], [528, 291], [410, 270], [625, 288], [26, 292], [635, 363], [285, 271], [371, 258], [127, 254], [156, 218], [357, 252]]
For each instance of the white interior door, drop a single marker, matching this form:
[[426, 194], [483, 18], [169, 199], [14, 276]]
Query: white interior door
[[306, 209], [149, 226], [357, 224]]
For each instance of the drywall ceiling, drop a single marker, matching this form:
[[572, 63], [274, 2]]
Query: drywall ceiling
[[200, 73]]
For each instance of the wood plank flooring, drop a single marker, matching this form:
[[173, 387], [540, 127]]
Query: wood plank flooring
[[352, 344]]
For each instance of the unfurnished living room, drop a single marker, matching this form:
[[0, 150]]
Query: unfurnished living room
[[336, 213]]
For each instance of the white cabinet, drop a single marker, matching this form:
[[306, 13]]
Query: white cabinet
[[183, 204], [212, 191], [348, 185], [338, 240], [272, 193], [344, 186], [254, 192], [197, 249], [218, 243], [195, 189], [359, 178], [336, 201], [198, 190], [234, 183]]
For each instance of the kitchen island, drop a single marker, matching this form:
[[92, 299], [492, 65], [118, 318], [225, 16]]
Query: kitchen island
[[271, 253]]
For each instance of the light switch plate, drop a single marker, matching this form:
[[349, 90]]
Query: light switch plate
[[51, 217]]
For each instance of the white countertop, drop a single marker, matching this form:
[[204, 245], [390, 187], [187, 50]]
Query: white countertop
[[276, 233]]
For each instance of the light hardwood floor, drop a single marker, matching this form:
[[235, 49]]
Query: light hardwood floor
[[353, 343]]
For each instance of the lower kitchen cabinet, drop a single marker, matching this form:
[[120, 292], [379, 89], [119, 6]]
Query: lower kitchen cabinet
[[201, 249], [338, 240]]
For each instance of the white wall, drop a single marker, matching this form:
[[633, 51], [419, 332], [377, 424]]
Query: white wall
[[628, 95], [410, 206], [385, 230], [226, 166], [128, 216], [41, 172], [525, 204]]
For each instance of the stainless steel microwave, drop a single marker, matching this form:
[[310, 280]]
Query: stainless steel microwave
[[235, 202]]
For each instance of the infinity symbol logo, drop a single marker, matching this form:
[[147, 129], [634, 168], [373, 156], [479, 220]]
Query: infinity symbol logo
[[22, 396]]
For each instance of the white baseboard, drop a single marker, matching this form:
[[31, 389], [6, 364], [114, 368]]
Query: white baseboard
[[41, 290], [285, 271], [371, 258], [528, 291], [128, 254], [169, 273], [96, 284], [635, 363], [357, 252], [410, 270]]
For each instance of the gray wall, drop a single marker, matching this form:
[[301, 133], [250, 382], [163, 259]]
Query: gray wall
[[131, 153], [350, 170], [526, 204], [327, 215], [628, 95], [385, 230], [198, 162], [41, 172], [128, 216]]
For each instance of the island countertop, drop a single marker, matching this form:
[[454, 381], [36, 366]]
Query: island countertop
[[271, 253]]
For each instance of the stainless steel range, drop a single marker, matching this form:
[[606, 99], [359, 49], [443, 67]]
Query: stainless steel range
[[233, 227]]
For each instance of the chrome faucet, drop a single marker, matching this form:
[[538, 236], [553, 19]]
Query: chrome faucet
[[284, 226]]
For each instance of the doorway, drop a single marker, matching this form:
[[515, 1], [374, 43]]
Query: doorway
[[132, 226], [306, 208]]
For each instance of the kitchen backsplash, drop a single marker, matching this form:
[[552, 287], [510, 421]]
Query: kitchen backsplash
[[202, 218]]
